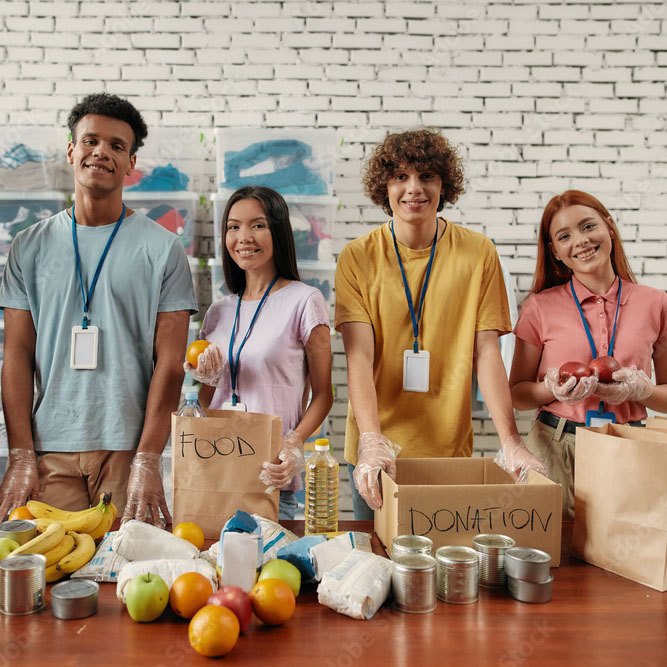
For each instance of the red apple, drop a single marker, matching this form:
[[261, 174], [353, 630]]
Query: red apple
[[236, 600], [603, 367], [572, 368]]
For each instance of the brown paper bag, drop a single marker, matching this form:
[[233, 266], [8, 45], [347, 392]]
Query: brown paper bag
[[620, 488], [659, 423], [216, 461]]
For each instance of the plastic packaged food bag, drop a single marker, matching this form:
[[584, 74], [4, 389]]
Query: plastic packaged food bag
[[357, 586], [137, 540], [104, 565], [327, 555]]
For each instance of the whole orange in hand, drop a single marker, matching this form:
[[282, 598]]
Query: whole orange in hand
[[21, 512], [213, 631], [272, 601], [190, 531], [189, 593], [195, 349]]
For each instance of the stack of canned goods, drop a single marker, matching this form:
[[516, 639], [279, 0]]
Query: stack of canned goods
[[528, 576], [413, 576]]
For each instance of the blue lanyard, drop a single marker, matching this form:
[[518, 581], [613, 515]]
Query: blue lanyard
[[587, 329], [234, 365], [408, 296], [87, 299]]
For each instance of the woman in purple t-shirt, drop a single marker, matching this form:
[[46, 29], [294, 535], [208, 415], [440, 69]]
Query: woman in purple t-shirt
[[281, 349]]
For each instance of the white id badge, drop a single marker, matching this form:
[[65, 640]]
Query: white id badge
[[415, 370], [230, 406], [83, 355]]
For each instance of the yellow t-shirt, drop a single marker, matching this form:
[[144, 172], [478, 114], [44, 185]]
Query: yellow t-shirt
[[466, 293]]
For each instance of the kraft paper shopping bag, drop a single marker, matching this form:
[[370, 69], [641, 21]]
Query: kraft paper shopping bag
[[620, 488], [216, 461]]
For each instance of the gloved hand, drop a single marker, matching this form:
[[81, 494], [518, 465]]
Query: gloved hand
[[279, 475], [629, 384], [145, 493], [570, 391], [515, 458], [375, 453], [210, 366], [21, 481]]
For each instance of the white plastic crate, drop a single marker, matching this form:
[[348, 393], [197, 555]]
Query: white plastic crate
[[170, 160], [291, 161], [175, 211], [312, 220], [34, 159]]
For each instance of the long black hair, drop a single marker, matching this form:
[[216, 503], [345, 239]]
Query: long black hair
[[284, 252]]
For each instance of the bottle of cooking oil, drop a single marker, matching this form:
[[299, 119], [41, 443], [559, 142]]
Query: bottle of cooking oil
[[321, 490]]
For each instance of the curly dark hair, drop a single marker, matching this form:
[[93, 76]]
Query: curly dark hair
[[425, 150], [104, 104]]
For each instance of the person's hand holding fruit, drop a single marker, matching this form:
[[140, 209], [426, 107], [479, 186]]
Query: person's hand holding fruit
[[205, 362]]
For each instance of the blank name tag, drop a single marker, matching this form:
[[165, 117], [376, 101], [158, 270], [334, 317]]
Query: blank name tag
[[415, 370], [83, 355], [595, 418], [230, 406]]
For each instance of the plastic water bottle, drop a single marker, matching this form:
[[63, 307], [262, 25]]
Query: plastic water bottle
[[321, 490], [191, 407]]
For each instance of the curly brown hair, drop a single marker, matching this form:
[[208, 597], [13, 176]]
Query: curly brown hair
[[425, 150]]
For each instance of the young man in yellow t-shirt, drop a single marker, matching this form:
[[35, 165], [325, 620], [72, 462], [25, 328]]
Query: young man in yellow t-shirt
[[420, 303]]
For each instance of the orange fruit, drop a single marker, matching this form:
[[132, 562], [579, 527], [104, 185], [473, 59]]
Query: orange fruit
[[189, 593], [187, 530], [213, 631], [272, 601], [195, 350], [21, 512]]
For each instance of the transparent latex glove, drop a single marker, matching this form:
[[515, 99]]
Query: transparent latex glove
[[570, 391], [210, 366], [21, 481], [515, 458], [145, 493], [279, 475], [629, 384], [375, 453]]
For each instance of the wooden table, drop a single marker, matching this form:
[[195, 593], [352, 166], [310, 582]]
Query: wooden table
[[595, 618]]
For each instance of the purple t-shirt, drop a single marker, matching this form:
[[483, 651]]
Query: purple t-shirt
[[272, 371]]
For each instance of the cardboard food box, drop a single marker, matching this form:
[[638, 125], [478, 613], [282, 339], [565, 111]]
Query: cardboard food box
[[450, 500]]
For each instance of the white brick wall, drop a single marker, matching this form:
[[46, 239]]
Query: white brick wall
[[539, 96]]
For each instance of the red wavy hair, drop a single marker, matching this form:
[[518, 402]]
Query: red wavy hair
[[549, 271]]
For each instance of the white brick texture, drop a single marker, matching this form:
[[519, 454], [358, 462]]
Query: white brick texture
[[539, 97]]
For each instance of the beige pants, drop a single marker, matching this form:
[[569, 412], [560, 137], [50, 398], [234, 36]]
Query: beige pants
[[556, 450], [74, 481]]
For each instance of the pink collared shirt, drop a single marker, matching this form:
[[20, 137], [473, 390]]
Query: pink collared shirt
[[550, 320]]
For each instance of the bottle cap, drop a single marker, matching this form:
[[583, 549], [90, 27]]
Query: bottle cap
[[191, 395], [322, 444]]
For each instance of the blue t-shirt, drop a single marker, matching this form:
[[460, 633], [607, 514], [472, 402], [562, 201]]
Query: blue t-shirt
[[145, 272]]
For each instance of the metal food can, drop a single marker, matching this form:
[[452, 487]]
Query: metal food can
[[491, 549], [76, 598], [457, 574], [22, 584], [527, 564], [19, 530], [413, 583], [403, 545], [528, 591]]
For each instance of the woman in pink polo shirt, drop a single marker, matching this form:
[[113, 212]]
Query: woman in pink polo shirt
[[585, 303]]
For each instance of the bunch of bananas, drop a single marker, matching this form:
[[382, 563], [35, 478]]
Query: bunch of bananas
[[67, 539]]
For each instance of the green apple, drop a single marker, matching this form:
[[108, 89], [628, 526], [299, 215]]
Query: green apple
[[146, 597], [283, 570], [7, 545]]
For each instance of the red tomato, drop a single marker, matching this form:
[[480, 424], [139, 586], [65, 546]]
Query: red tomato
[[603, 367], [573, 368]]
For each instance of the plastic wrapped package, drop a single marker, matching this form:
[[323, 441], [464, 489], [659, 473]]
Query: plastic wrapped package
[[327, 555], [137, 540], [357, 586], [274, 537], [104, 565]]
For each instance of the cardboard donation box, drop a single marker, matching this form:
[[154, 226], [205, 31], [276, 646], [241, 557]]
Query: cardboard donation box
[[450, 500], [216, 461], [620, 502]]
